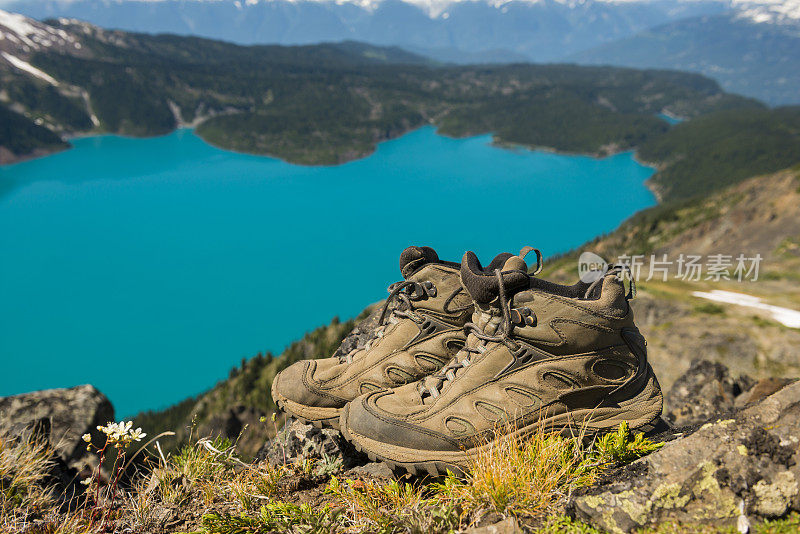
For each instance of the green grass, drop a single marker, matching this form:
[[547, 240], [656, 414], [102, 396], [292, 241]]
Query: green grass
[[709, 308], [522, 478]]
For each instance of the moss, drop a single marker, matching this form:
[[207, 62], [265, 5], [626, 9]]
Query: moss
[[638, 512], [565, 525], [787, 525]]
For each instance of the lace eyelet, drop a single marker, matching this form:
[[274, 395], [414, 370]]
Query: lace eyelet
[[429, 288], [523, 317]]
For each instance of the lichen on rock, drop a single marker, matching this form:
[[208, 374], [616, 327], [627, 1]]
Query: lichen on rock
[[742, 466]]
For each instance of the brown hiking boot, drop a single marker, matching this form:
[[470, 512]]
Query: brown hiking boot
[[421, 329], [538, 356]]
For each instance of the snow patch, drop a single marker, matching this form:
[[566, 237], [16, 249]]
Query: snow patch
[[30, 69], [785, 316], [22, 30]]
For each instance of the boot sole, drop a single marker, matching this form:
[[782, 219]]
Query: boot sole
[[639, 412], [310, 415], [415, 465]]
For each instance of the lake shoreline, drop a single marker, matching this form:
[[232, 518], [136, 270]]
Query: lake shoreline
[[506, 145]]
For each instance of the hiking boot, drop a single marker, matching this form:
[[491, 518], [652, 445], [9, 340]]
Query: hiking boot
[[539, 357], [420, 330]]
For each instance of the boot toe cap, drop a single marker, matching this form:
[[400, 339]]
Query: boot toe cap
[[366, 419], [296, 384]]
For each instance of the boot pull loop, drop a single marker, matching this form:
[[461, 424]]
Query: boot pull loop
[[539, 259]]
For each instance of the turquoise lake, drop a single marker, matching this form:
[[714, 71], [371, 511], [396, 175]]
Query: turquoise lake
[[150, 267]]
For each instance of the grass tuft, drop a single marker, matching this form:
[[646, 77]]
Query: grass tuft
[[26, 495], [623, 446], [521, 477], [24, 466], [275, 517]]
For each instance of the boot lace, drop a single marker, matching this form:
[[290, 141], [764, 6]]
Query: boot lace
[[432, 386], [400, 302]]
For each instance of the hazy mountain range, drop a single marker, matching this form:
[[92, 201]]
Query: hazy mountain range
[[751, 47]]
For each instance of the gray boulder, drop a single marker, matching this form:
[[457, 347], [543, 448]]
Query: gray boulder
[[298, 440], [69, 413], [708, 391], [705, 391], [733, 471], [363, 331]]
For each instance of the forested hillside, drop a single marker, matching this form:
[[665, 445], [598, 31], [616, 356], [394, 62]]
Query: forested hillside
[[21, 136], [722, 148]]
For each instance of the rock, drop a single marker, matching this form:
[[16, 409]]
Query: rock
[[737, 470], [298, 440], [362, 332], [372, 470], [70, 413], [702, 393], [763, 389], [506, 526]]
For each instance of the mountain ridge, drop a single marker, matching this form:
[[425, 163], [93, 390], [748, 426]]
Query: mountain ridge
[[753, 59], [330, 103], [759, 34], [540, 29]]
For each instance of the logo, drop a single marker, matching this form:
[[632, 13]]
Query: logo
[[591, 267]]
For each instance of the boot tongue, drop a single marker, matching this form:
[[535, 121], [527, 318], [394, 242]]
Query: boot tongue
[[414, 258], [483, 285]]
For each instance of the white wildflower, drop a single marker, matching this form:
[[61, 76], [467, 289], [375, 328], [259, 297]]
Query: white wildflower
[[87, 438], [121, 434], [137, 435]]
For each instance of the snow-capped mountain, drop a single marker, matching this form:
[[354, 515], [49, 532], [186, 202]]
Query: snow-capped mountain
[[20, 36], [758, 33], [541, 30], [753, 51], [18, 31]]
